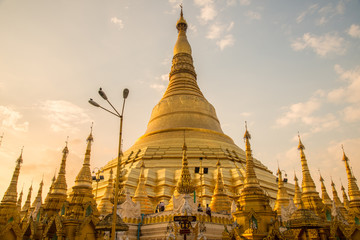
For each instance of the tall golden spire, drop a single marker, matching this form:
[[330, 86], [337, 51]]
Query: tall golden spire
[[354, 192], [27, 203], [105, 206], [38, 198], [50, 189], [60, 186], [282, 197], [335, 195], [19, 201], [297, 195], [84, 178], [253, 199], [185, 184], [309, 195], [337, 200], [10, 196], [220, 201], [324, 195], [141, 195], [345, 197], [55, 199], [250, 178], [176, 110], [81, 194]]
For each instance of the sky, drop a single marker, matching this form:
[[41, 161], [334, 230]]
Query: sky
[[283, 66]]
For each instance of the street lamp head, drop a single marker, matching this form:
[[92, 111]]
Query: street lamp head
[[92, 102], [102, 94], [125, 93]]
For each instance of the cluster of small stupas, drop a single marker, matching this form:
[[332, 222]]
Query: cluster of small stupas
[[183, 134]]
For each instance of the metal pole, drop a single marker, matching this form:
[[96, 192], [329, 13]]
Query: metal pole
[[97, 185], [201, 176], [118, 169]]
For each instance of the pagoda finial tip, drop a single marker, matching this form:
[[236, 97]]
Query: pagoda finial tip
[[181, 10]]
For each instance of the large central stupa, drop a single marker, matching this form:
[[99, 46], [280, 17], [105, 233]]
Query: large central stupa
[[183, 113]]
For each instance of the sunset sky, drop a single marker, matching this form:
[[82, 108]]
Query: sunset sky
[[282, 66]]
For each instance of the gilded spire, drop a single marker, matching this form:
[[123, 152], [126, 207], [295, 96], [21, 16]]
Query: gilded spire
[[20, 199], [250, 178], [105, 205], [141, 195], [354, 192], [50, 189], [324, 195], [38, 198], [60, 186], [252, 197], [185, 184], [10, 196], [182, 75], [84, 178], [282, 197], [309, 196], [297, 195], [220, 201], [335, 195], [182, 45], [345, 197], [308, 184], [27, 203]]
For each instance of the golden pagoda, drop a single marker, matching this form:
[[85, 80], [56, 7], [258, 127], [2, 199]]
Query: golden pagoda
[[57, 196], [345, 197], [220, 201], [354, 192], [309, 195], [105, 206], [254, 213], [297, 195], [37, 203], [25, 209], [324, 195], [337, 200], [19, 201], [183, 109], [169, 177], [282, 198], [141, 195], [9, 214]]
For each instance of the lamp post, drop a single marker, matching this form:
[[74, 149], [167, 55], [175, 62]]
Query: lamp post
[[97, 178], [118, 167]]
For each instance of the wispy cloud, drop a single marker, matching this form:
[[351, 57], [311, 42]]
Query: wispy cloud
[[207, 10], [164, 77], [312, 112], [329, 11], [301, 111], [253, 15], [10, 119], [161, 83], [158, 87], [175, 6], [220, 32], [118, 22], [63, 115], [321, 45], [311, 9], [354, 31], [322, 14], [245, 2], [226, 41], [348, 94]]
